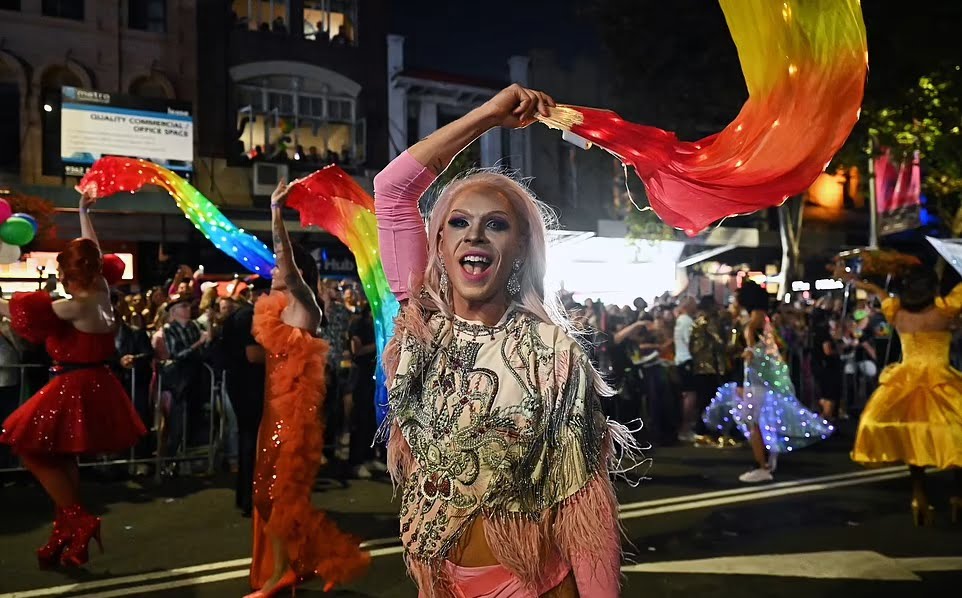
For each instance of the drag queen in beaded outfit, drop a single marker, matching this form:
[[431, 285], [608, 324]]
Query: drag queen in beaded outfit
[[764, 407], [83, 409], [293, 541], [496, 437]]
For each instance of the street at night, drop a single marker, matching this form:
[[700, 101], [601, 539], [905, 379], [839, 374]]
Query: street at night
[[501, 299], [825, 528]]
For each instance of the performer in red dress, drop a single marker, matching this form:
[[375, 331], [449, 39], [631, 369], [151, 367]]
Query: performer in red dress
[[83, 409]]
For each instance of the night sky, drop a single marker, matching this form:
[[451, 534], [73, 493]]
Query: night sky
[[477, 38]]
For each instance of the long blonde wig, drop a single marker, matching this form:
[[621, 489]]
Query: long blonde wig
[[535, 217]]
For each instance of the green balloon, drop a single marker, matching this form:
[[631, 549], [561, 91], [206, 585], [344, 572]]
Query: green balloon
[[16, 231]]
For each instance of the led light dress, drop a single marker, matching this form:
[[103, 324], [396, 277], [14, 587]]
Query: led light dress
[[767, 398]]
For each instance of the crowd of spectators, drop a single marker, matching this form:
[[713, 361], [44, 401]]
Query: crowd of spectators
[[667, 359], [182, 342]]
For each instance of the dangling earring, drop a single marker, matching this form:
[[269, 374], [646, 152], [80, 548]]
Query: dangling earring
[[444, 281], [514, 281]]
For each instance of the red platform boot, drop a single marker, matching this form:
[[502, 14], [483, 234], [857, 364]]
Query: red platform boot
[[48, 555], [85, 527]]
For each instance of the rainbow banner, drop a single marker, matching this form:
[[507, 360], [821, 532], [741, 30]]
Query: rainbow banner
[[110, 175], [333, 201], [804, 63]]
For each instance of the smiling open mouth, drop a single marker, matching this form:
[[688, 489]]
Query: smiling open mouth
[[475, 264]]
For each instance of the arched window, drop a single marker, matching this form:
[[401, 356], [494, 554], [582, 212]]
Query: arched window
[[59, 76], [51, 81], [10, 123], [296, 111], [152, 86]]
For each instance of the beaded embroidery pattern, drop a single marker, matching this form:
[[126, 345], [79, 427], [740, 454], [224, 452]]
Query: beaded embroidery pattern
[[500, 420]]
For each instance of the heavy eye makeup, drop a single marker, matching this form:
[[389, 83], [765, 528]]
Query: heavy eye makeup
[[495, 223]]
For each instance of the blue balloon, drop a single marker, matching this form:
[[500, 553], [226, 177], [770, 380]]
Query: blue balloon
[[30, 219]]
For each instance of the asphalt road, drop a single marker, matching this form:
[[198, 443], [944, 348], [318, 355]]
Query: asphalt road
[[825, 528]]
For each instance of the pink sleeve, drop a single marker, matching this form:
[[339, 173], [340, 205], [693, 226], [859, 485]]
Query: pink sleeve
[[401, 234], [586, 530]]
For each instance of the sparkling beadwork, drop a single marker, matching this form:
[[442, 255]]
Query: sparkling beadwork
[[480, 408]]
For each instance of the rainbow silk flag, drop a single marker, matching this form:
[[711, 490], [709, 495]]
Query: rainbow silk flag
[[333, 201], [804, 62], [110, 175]]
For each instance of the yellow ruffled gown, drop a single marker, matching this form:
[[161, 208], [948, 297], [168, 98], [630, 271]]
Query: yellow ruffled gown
[[915, 415]]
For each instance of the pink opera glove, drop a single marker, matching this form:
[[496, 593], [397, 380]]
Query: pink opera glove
[[401, 232], [586, 530]]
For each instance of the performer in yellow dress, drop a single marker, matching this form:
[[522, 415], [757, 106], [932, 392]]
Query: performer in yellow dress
[[915, 415]]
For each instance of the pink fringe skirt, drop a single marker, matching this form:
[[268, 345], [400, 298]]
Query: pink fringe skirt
[[493, 581]]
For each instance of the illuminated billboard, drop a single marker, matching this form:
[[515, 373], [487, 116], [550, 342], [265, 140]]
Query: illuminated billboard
[[95, 124]]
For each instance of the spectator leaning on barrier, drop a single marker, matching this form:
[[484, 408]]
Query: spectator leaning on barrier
[[185, 342]]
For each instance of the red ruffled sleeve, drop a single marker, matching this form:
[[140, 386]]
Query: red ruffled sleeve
[[33, 317]]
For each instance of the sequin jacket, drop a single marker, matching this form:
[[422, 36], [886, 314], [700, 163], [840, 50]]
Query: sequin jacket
[[707, 346]]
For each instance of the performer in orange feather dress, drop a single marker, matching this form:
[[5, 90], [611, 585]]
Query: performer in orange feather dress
[[292, 540]]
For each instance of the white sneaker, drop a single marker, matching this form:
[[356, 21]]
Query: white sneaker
[[362, 473], [756, 476]]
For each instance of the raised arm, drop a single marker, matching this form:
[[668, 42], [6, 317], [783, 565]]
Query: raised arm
[[397, 188], [513, 107], [871, 288], [303, 312], [623, 334], [65, 308], [843, 273], [86, 226], [756, 324]]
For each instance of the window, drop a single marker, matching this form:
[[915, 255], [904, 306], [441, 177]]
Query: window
[[266, 16], [9, 4], [147, 15], [9, 127], [331, 21], [282, 102], [315, 107], [340, 110], [149, 87], [65, 9], [252, 97], [277, 120]]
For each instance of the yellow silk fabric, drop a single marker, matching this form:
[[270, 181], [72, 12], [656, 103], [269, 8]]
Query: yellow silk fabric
[[772, 37]]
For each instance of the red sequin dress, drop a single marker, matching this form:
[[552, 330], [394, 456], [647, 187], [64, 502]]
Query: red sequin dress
[[84, 408]]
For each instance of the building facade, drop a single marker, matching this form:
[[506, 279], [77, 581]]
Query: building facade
[[275, 88], [138, 47], [289, 86]]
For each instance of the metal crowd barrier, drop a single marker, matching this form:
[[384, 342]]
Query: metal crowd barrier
[[217, 429]]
